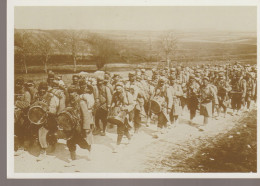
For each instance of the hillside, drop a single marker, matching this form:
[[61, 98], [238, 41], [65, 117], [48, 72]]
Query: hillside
[[134, 47]]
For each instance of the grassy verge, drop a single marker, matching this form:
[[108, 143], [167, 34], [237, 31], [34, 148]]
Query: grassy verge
[[235, 151]]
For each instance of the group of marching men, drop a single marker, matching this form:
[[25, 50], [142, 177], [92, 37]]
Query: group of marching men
[[53, 110]]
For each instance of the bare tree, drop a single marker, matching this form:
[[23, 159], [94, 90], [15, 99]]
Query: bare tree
[[73, 41], [104, 49], [23, 46], [44, 49], [168, 44]]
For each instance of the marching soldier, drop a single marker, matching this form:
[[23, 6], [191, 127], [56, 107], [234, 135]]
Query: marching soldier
[[116, 79], [223, 93], [208, 96], [176, 92], [75, 133], [133, 89], [102, 107], [162, 91], [107, 82], [250, 86], [22, 102], [123, 100], [151, 87], [50, 126], [59, 92], [238, 92], [86, 103], [75, 81], [143, 74], [193, 93], [61, 82], [50, 79], [138, 112], [30, 87]]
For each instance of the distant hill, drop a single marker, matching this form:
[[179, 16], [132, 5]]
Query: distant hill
[[142, 47]]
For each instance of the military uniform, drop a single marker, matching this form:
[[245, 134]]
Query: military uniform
[[78, 135], [102, 106], [250, 90], [208, 96], [22, 102], [60, 94], [163, 91], [238, 93], [47, 130], [176, 92], [125, 101], [193, 93], [223, 93], [86, 102]]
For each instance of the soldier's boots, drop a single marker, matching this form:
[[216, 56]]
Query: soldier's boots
[[148, 122], [97, 131], [103, 133], [73, 155], [89, 148], [42, 155]]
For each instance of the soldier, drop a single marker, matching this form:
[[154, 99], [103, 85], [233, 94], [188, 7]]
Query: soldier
[[172, 72], [50, 79], [151, 87], [223, 93], [61, 82], [116, 79], [30, 87], [250, 86], [22, 102], [132, 83], [162, 91], [143, 74], [103, 106], [208, 96], [155, 75], [76, 135], [124, 101], [143, 90], [59, 92], [183, 97], [50, 126], [176, 92], [86, 102], [107, 82], [75, 81], [255, 84], [238, 92], [138, 112], [93, 83], [193, 93]]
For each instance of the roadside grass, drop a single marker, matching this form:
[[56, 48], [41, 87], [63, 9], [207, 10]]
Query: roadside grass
[[235, 151]]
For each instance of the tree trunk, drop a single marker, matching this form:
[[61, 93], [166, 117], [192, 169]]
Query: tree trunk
[[45, 65], [25, 66], [75, 63]]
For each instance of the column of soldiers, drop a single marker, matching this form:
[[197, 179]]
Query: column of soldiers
[[89, 105]]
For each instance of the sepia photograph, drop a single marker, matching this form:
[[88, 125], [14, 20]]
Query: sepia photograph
[[134, 89]]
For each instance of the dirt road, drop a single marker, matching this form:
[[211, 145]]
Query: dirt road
[[180, 149]]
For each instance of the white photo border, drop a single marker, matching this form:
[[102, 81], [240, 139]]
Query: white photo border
[[10, 85]]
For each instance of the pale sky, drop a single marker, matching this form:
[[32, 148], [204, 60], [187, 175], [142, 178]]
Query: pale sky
[[137, 18]]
